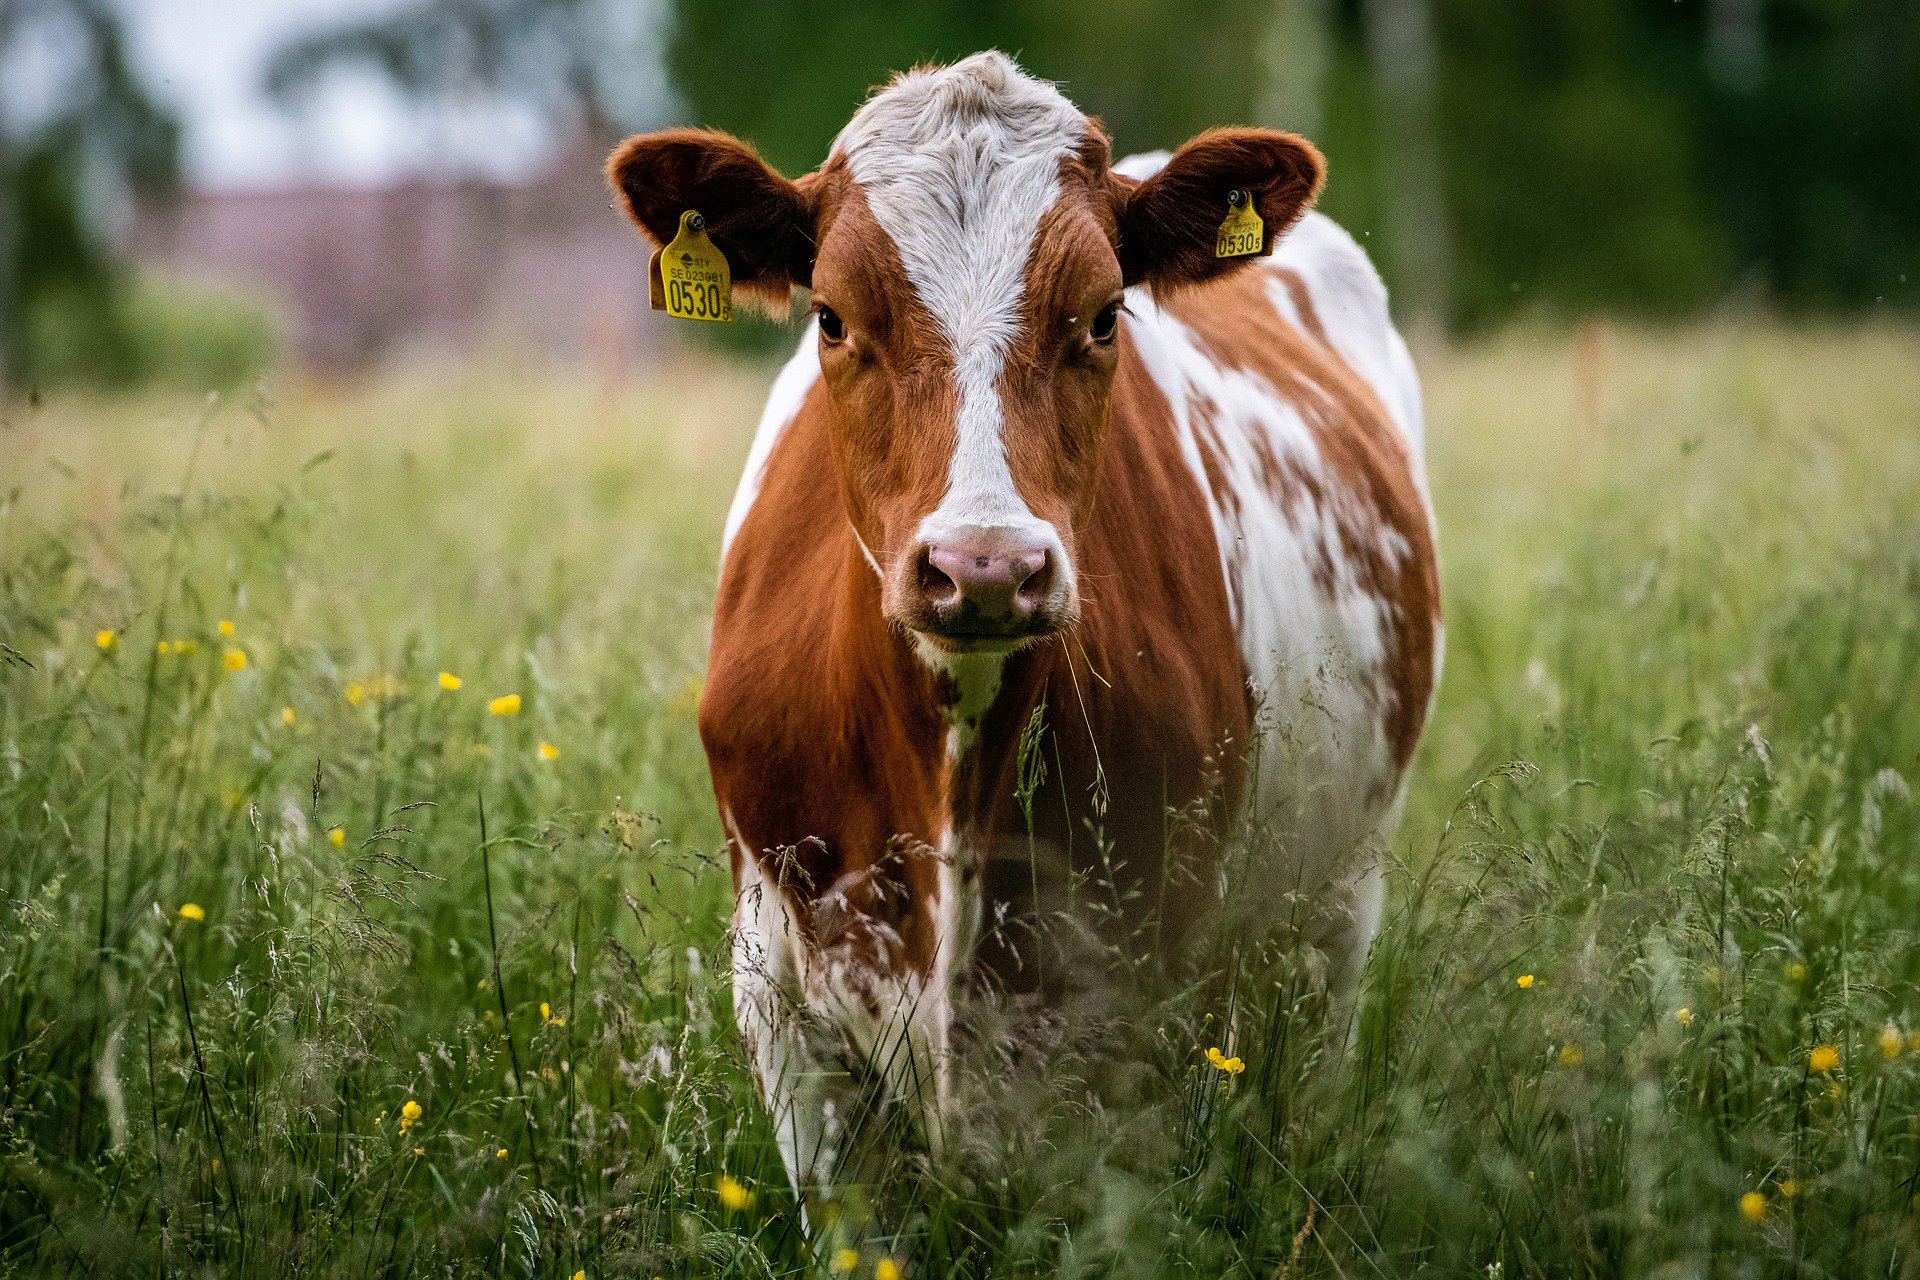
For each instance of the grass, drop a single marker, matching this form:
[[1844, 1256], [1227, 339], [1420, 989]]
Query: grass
[[1645, 1001]]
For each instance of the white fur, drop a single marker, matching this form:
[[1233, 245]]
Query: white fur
[[958, 165]]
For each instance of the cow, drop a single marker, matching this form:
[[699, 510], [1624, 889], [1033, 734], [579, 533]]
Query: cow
[[1045, 466]]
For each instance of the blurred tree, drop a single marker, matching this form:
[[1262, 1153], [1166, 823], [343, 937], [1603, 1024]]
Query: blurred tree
[[1561, 157], [578, 62], [78, 132]]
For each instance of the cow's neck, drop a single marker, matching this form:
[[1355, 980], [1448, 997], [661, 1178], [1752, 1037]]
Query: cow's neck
[[961, 712]]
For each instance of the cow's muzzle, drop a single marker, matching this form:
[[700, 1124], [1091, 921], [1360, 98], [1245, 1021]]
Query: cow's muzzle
[[975, 588]]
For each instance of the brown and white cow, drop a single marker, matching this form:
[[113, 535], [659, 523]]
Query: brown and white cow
[[1040, 447]]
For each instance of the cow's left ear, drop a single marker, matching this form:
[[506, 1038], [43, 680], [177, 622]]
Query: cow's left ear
[[762, 222], [1170, 223]]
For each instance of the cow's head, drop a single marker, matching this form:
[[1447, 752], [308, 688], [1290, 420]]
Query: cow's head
[[968, 247]]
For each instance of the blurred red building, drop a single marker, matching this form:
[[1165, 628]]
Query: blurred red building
[[424, 264]]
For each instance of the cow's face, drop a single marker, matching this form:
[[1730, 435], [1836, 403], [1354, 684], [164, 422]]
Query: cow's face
[[968, 248]]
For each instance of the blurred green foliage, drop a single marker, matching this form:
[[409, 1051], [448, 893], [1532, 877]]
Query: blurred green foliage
[[94, 135], [1597, 156]]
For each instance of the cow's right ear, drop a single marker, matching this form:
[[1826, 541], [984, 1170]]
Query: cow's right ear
[[762, 222]]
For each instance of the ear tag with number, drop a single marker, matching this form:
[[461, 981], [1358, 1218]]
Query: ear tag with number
[[689, 278], [1242, 233]]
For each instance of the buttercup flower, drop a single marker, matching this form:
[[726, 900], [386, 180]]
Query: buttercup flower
[[104, 639], [449, 681], [845, 1260], [1823, 1058], [288, 717], [733, 1195], [1221, 1062], [1753, 1207], [1683, 1016], [337, 837], [1524, 982], [193, 911], [548, 752], [501, 1154], [234, 660], [886, 1269], [354, 692], [226, 627], [507, 704]]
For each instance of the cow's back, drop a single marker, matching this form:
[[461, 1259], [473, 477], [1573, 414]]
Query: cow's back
[[1295, 407]]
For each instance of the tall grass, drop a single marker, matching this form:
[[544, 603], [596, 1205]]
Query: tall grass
[[1645, 1001]]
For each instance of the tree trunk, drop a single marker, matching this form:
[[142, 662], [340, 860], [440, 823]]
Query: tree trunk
[[1404, 61]]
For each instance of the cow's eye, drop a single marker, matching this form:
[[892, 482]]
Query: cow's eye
[[1105, 322], [832, 328]]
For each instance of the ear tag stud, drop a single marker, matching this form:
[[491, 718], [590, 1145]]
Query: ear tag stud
[[1242, 233], [689, 278]]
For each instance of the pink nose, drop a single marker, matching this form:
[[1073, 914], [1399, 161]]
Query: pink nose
[[986, 582]]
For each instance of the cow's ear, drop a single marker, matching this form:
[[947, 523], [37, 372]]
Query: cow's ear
[[1169, 224], [762, 222]]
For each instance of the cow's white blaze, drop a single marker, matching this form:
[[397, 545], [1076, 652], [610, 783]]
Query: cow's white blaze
[[958, 165]]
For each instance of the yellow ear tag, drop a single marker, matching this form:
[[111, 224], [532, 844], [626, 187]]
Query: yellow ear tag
[[1243, 232], [689, 279]]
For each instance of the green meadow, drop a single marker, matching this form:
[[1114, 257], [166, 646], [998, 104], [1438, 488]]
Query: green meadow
[[363, 910]]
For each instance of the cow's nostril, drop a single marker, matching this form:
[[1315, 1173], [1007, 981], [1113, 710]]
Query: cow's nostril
[[939, 590], [1036, 583]]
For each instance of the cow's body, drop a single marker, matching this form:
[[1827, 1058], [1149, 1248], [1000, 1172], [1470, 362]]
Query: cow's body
[[1257, 634]]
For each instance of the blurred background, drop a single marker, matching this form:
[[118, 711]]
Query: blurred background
[[193, 191]]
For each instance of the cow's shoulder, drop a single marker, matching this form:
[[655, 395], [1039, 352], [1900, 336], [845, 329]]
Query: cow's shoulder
[[1331, 291]]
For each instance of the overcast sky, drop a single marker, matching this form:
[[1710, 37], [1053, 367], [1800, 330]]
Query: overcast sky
[[206, 59]]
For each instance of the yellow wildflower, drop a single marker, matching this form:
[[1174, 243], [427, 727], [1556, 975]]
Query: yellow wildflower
[[548, 752], [501, 1154], [193, 911], [1796, 972], [355, 692], [1524, 982], [1683, 1016], [1572, 1055], [449, 681], [886, 1269], [288, 717], [580, 1274], [419, 1151], [507, 704], [226, 627], [1221, 1062], [163, 647], [337, 837], [234, 660], [105, 638], [734, 1196], [185, 646], [845, 1260], [1823, 1058], [1890, 1041], [1753, 1207], [411, 1111], [1789, 1188], [546, 1016]]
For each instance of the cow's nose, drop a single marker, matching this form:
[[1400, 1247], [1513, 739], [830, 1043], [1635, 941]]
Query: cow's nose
[[986, 583]]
